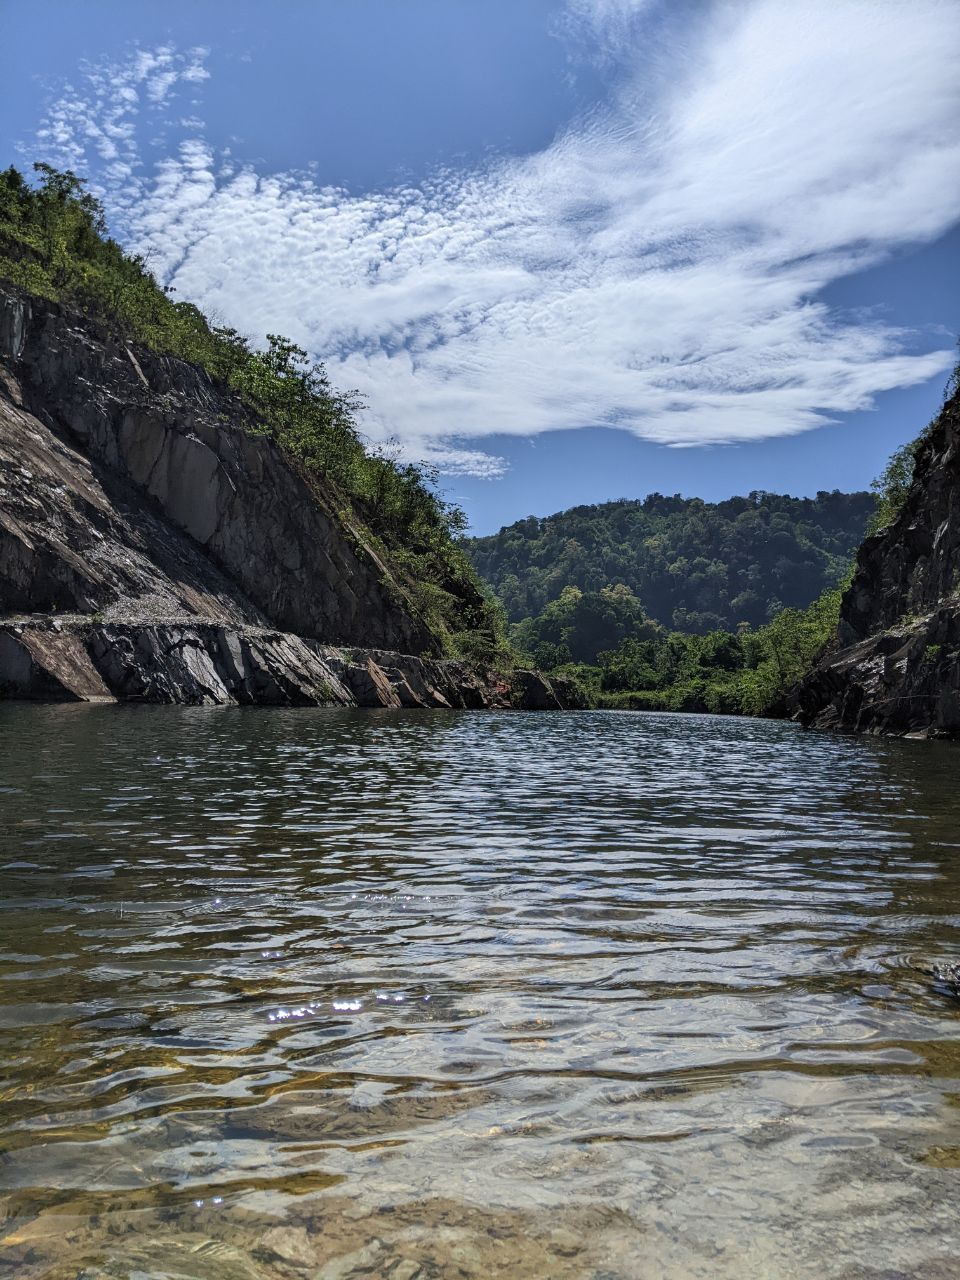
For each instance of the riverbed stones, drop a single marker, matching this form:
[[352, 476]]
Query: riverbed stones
[[291, 1245], [406, 1269], [369, 1260]]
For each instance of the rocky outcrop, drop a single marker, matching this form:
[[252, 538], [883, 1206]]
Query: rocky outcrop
[[154, 547], [76, 660], [895, 668], [172, 453]]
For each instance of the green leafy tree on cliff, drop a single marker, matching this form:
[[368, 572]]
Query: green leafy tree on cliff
[[54, 243]]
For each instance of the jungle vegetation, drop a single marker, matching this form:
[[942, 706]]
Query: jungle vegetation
[[696, 566], [623, 658], [611, 641]]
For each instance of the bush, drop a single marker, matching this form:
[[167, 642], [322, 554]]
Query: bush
[[743, 673]]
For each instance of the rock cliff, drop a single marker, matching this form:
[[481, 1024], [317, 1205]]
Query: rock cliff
[[153, 548], [895, 668]]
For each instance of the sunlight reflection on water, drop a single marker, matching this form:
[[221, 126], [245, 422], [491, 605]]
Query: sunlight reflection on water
[[592, 994]]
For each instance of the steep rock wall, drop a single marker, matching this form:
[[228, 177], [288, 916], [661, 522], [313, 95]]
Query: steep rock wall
[[160, 428], [896, 666], [153, 550]]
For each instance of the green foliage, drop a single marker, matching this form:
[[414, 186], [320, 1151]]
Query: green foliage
[[745, 672], [694, 566], [578, 624], [53, 243], [891, 487]]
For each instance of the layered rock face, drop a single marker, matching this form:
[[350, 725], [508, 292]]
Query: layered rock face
[[896, 666], [152, 548], [71, 659], [155, 435]]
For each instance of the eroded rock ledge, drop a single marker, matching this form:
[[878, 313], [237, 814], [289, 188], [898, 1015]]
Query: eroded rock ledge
[[152, 549], [76, 660]]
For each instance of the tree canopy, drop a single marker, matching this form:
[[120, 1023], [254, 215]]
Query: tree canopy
[[648, 667], [693, 566]]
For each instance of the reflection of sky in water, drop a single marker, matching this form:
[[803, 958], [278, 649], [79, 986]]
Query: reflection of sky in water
[[657, 982]]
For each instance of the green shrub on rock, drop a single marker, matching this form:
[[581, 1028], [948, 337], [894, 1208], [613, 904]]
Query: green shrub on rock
[[54, 243]]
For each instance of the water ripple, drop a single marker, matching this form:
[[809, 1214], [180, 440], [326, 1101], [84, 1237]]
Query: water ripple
[[653, 982]]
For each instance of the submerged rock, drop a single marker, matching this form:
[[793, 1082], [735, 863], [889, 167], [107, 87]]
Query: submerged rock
[[290, 1244], [366, 1261], [946, 978]]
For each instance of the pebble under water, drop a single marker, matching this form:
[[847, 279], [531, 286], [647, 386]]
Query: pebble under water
[[332, 994]]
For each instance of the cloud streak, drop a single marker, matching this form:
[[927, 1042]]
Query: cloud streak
[[658, 268]]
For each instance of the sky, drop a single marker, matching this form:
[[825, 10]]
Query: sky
[[568, 250]]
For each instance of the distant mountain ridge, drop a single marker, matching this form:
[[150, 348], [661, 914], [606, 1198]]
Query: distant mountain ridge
[[695, 566]]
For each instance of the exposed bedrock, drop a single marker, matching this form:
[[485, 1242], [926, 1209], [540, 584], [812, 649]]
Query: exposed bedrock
[[218, 664], [148, 438], [895, 668], [152, 549]]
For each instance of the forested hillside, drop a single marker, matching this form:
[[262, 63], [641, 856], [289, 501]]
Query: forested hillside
[[621, 658], [607, 640], [54, 246], [694, 566]]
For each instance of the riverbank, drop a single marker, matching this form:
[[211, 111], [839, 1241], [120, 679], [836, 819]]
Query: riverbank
[[82, 660]]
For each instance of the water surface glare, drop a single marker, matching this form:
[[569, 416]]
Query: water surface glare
[[340, 993]]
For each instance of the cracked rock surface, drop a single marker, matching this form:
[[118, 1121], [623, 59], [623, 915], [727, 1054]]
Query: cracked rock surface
[[153, 549], [896, 666]]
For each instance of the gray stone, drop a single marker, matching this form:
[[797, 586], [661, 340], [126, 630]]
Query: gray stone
[[161, 427], [895, 668], [290, 1244], [152, 549], [564, 1243], [406, 1269], [367, 1261]]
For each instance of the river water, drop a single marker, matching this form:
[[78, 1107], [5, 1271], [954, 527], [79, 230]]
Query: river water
[[340, 993]]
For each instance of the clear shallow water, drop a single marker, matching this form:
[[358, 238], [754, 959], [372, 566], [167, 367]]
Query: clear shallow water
[[591, 994]]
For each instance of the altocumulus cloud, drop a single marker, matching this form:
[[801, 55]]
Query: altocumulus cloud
[[657, 268]]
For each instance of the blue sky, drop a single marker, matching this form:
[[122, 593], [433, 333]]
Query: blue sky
[[570, 250]]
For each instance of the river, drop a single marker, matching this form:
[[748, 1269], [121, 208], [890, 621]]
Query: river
[[340, 993]]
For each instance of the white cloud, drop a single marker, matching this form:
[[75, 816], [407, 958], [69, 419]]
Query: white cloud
[[657, 268], [604, 31], [97, 121]]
